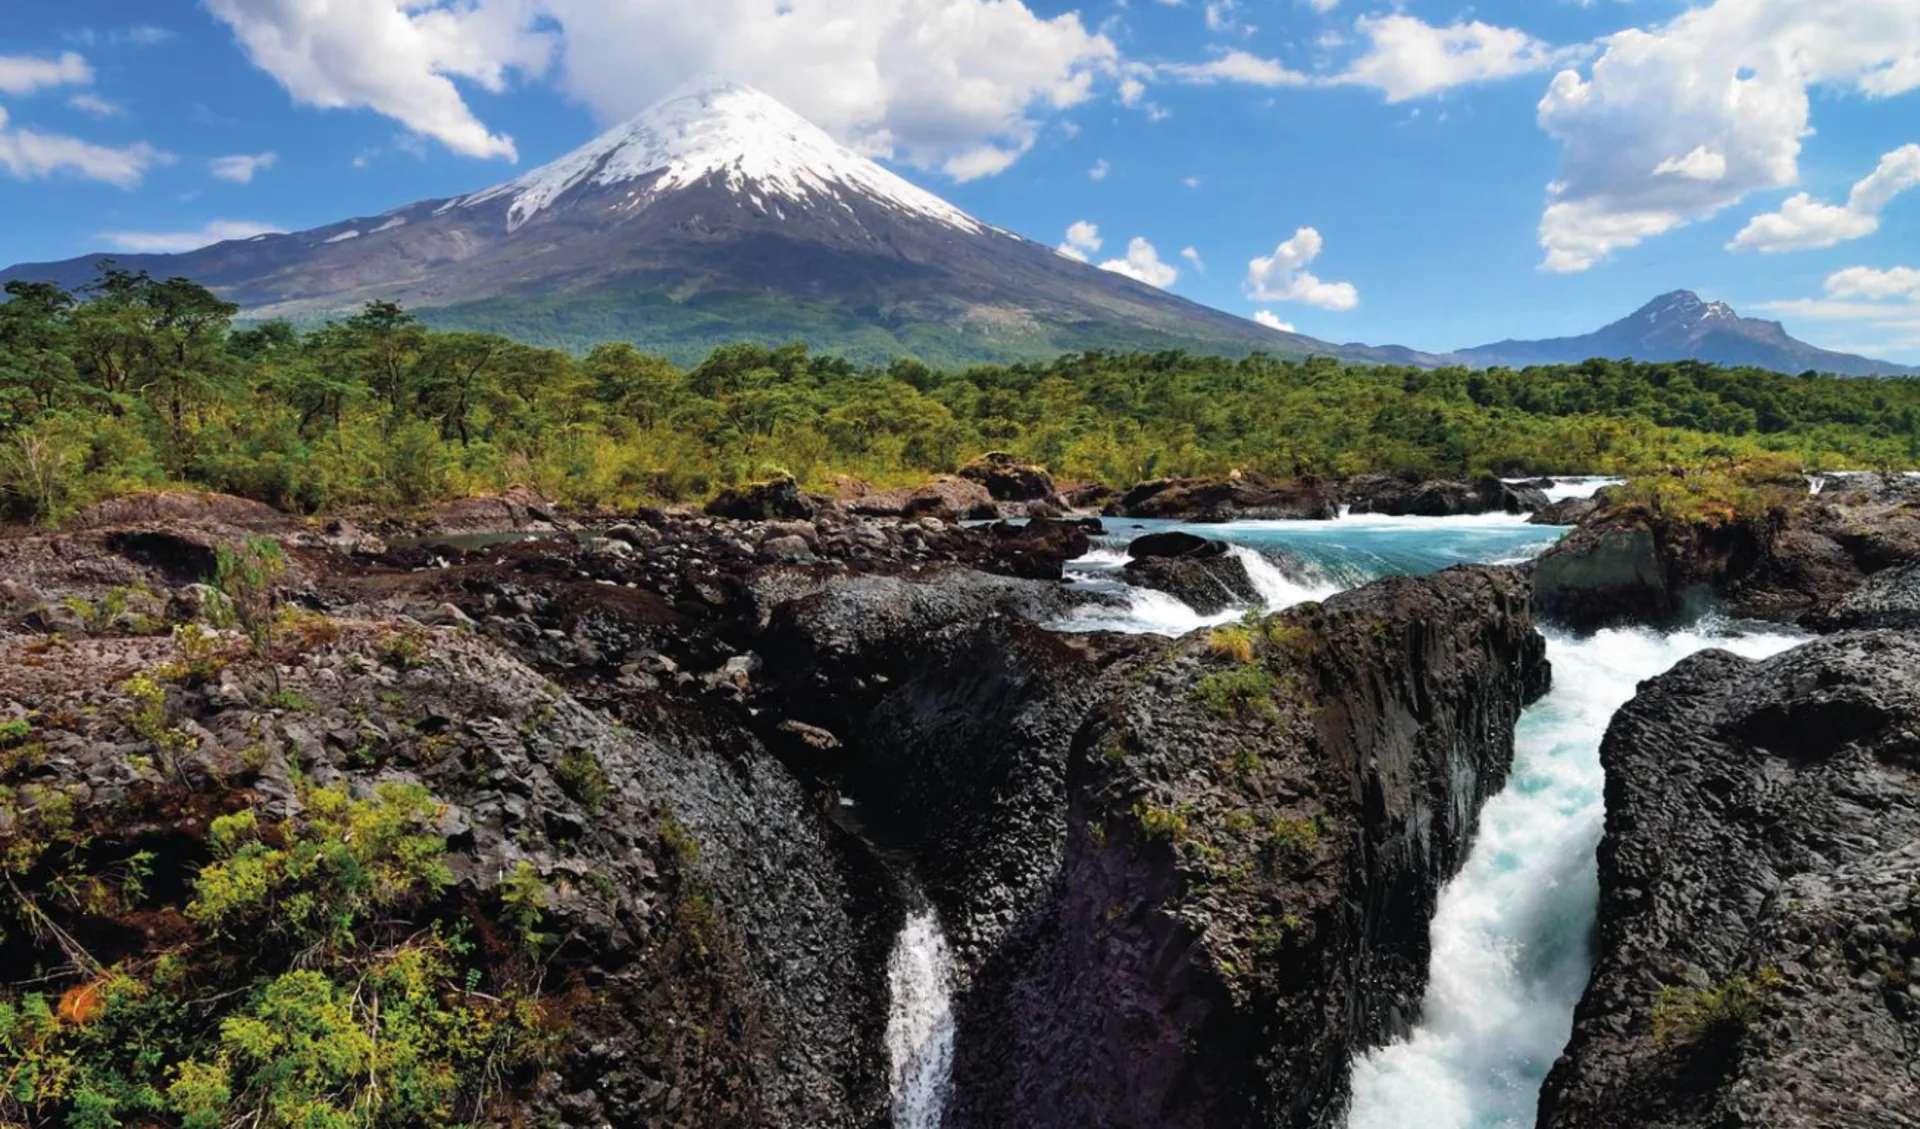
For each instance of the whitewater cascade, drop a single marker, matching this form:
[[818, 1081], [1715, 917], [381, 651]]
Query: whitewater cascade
[[920, 1021], [1511, 934]]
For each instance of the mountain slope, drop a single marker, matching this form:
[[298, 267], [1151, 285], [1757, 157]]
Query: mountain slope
[[1681, 326], [717, 215]]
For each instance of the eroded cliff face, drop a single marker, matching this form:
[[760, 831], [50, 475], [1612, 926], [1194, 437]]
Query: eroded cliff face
[[1760, 898], [1184, 881]]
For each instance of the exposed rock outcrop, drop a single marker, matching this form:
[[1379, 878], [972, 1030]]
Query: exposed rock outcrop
[[1760, 899], [1236, 497], [945, 498], [1196, 570], [1402, 495], [1766, 552], [1008, 479], [776, 499]]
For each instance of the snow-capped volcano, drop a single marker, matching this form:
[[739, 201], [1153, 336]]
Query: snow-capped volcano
[[715, 216], [730, 135]]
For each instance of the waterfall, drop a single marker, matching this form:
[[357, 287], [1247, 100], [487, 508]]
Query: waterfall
[[1277, 589], [920, 1021], [1510, 935]]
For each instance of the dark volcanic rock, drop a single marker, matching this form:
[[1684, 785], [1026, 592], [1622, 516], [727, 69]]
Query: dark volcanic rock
[[1207, 583], [1008, 479], [1402, 496], [1763, 832], [1786, 560], [1174, 543], [514, 510], [763, 501], [1037, 549], [948, 499], [1234, 498], [1567, 511], [1889, 598]]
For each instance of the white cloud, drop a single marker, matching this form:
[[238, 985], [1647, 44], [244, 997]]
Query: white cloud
[[920, 80], [241, 167], [174, 242], [1099, 170], [1805, 224], [1408, 59], [1673, 124], [1283, 276], [24, 74], [1083, 239], [94, 104], [957, 85], [1190, 181], [1875, 285], [1267, 318], [1143, 264], [396, 57], [1192, 255], [1235, 66], [29, 155], [1323, 5]]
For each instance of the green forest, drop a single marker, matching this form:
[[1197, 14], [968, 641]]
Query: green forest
[[139, 383]]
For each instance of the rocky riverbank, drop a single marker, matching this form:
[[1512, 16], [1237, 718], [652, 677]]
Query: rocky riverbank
[[661, 776], [1760, 899]]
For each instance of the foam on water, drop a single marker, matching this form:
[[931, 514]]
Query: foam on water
[[920, 1022], [1510, 936]]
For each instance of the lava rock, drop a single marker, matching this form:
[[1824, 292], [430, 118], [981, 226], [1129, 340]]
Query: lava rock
[[1235, 497], [1008, 479], [762, 501], [1402, 496]]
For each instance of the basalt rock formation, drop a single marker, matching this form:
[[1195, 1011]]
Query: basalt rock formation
[[1759, 928], [1410, 495], [1776, 553], [683, 770], [1196, 570], [1238, 497]]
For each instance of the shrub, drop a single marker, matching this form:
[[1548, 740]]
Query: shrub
[[248, 579], [581, 777], [1162, 823], [1238, 692], [1287, 834], [1721, 1011]]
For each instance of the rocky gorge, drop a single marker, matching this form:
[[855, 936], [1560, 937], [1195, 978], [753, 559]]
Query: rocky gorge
[[703, 785]]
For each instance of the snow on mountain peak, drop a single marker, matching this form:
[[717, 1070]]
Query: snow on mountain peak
[[716, 128]]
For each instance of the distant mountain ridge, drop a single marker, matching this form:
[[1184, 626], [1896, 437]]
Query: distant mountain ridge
[[719, 216], [1683, 326], [715, 216]]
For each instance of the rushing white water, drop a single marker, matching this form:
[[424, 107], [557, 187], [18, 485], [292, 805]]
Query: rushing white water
[[920, 1022], [1511, 933]]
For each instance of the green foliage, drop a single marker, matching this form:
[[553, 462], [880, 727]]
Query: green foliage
[[149, 717], [581, 777], [141, 384], [1711, 495], [1291, 835], [1721, 1011], [318, 875], [247, 579], [1169, 824], [14, 731], [524, 897], [677, 839], [1239, 692]]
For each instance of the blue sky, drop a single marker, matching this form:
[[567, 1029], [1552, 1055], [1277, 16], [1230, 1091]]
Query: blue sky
[[1514, 168]]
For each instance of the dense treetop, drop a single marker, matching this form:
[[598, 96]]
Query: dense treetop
[[138, 383]]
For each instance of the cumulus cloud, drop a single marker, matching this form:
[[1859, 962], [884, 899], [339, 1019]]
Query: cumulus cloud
[[26, 154], [958, 85], [1083, 240], [1143, 264], [1408, 59], [174, 242], [395, 57], [1099, 170], [24, 74], [1192, 255], [1674, 124], [1806, 224], [1874, 284], [241, 167], [1267, 318], [1283, 276]]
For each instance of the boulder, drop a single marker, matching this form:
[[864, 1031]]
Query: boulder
[[1402, 496], [761, 501], [1567, 511], [1209, 583], [177, 507], [945, 498], [1008, 479], [1235, 497], [1887, 599], [1174, 543], [518, 509], [1037, 549], [1759, 915]]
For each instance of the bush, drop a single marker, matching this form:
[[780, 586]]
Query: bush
[[248, 579], [1238, 692], [1720, 1012]]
